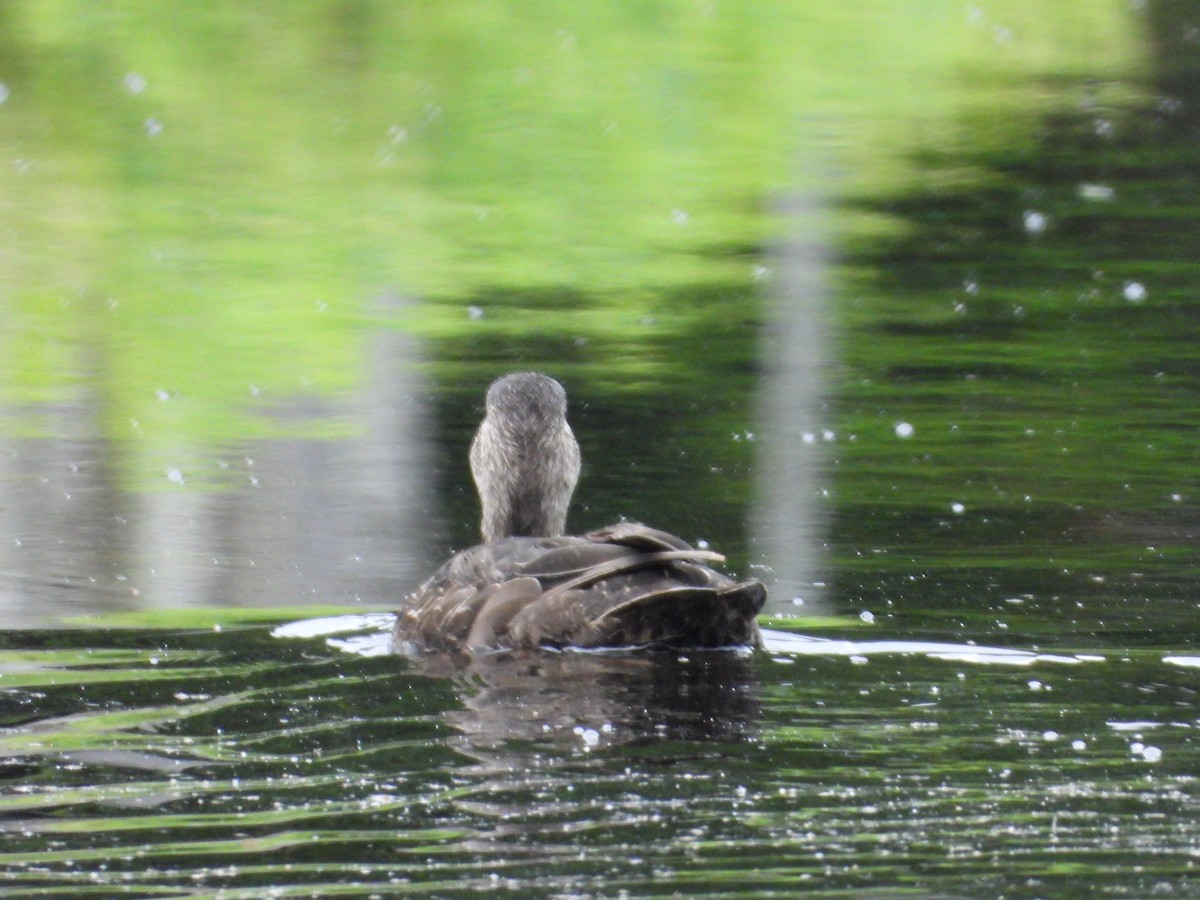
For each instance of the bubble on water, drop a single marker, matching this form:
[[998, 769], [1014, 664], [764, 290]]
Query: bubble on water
[[867, 616], [1050, 736], [153, 127], [474, 313], [162, 395], [957, 508], [904, 430], [1035, 685], [828, 436], [680, 217], [589, 736], [175, 476], [1035, 222], [808, 437], [1134, 291], [1104, 128], [1077, 744], [3, 92]]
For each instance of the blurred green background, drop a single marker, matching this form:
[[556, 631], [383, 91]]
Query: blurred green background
[[213, 214]]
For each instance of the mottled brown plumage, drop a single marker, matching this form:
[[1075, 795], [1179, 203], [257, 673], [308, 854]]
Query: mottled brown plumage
[[529, 586]]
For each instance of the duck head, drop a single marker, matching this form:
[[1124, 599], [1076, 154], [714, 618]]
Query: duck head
[[524, 458]]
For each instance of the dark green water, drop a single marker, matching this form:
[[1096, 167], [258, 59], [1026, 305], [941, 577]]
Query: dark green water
[[897, 307], [181, 763]]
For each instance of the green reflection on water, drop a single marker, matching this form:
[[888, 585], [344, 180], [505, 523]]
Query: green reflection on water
[[205, 198]]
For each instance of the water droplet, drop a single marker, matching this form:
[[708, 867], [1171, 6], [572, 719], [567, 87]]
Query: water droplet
[[134, 83], [1035, 222], [957, 508], [904, 430], [1095, 192], [1134, 292]]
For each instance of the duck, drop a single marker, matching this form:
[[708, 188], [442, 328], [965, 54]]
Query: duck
[[530, 586]]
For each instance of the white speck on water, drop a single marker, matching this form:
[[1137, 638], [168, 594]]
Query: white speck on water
[[760, 273], [1078, 744], [957, 508], [867, 616], [1050, 736], [702, 544], [859, 660], [474, 313], [680, 217], [904, 430], [1104, 128], [1096, 192], [3, 92], [1148, 752], [217, 626], [828, 436], [134, 83], [1035, 222], [797, 601], [1035, 685], [153, 127], [1177, 498], [1134, 291], [175, 476], [808, 437], [589, 736], [162, 395], [971, 287]]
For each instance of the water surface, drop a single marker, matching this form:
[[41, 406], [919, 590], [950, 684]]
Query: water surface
[[896, 307]]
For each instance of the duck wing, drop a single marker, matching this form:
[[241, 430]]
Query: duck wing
[[619, 586]]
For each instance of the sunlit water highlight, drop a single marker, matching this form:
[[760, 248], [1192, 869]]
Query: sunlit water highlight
[[370, 635]]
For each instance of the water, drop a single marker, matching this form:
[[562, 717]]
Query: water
[[910, 334], [166, 763]]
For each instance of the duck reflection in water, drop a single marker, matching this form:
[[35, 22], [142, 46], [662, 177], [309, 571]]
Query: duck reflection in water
[[521, 710], [528, 585]]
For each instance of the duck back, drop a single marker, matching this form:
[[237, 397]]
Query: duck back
[[625, 585]]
